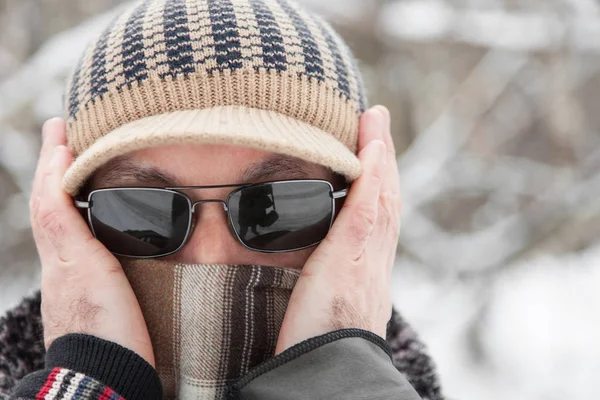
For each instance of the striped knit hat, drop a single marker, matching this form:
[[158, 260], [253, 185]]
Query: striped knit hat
[[255, 73]]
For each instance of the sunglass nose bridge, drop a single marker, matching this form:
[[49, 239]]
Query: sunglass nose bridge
[[210, 201]]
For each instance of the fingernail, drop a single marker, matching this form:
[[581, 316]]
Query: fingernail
[[385, 113], [46, 126], [384, 119]]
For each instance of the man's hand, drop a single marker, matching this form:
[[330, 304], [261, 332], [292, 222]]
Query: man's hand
[[84, 289], [346, 281]]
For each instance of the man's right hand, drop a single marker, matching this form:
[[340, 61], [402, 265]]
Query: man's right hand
[[84, 288]]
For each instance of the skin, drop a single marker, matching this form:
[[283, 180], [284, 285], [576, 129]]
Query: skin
[[344, 281]]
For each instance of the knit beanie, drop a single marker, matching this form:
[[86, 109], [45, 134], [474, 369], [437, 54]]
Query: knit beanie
[[264, 74]]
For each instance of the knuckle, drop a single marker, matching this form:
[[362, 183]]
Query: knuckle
[[376, 178], [390, 206], [50, 222], [386, 212], [100, 257], [390, 199], [385, 206], [93, 247], [362, 220], [111, 269], [329, 240]]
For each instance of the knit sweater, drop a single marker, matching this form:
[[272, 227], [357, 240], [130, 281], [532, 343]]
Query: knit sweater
[[22, 352]]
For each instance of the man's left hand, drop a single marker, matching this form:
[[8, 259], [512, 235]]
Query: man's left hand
[[346, 281]]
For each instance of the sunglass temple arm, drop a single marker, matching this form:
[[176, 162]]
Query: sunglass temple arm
[[81, 204], [339, 194]]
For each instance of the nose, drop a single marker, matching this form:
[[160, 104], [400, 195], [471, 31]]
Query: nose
[[211, 241]]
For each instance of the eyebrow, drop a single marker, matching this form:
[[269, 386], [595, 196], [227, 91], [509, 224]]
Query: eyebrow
[[124, 170], [277, 165]]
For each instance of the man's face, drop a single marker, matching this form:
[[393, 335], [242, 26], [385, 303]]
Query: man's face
[[211, 241]]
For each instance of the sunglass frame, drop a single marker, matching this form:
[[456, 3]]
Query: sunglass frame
[[88, 203]]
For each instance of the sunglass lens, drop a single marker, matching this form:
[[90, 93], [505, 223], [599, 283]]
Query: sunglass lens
[[140, 222], [282, 216]]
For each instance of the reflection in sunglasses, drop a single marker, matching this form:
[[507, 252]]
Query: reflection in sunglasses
[[253, 205]]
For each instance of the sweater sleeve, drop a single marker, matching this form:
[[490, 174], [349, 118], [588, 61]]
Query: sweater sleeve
[[83, 367], [346, 364]]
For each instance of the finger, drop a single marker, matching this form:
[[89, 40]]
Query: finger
[[53, 134], [352, 228], [390, 190], [393, 182], [65, 230], [387, 137], [387, 233], [378, 118], [376, 124], [371, 128], [386, 130]]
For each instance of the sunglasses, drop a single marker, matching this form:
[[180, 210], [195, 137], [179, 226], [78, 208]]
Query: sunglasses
[[271, 217]]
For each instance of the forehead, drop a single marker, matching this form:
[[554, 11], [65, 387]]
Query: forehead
[[197, 165]]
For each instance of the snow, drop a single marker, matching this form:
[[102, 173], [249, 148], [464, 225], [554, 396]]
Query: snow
[[418, 19], [538, 328]]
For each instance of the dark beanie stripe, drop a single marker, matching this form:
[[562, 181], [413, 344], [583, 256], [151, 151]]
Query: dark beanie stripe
[[134, 65], [73, 91], [113, 56], [99, 84], [357, 89], [226, 36], [312, 56], [341, 69], [291, 39], [272, 44], [180, 57]]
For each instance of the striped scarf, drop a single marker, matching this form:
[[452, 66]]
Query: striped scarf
[[209, 324]]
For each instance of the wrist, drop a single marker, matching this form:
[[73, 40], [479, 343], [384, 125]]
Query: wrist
[[115, 366]]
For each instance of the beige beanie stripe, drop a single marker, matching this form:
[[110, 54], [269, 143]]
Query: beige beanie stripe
[[327, 58]]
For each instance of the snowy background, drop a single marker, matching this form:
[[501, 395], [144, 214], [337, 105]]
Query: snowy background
[[496, 122]]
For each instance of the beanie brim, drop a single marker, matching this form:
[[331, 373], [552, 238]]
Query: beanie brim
[[227, 125]]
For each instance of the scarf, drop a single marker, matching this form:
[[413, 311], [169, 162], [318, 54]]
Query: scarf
[[209, 324]]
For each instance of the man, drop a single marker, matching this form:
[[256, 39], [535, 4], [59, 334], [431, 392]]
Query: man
[[205, 226]]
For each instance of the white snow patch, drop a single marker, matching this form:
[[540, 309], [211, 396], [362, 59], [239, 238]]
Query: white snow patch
[[543, 327]]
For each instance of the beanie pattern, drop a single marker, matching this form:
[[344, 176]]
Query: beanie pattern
[[164, 56]]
